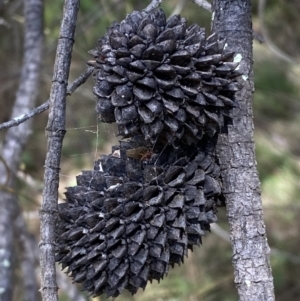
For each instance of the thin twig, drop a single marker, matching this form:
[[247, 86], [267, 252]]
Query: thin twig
[[219, 231], [203, 3], [153, 5], [80, 80], [4, 23], [224, 235], [20, 119], [55, 133], [45, 106], [258, 37], [278, 52], [178, 8], [68, 287]]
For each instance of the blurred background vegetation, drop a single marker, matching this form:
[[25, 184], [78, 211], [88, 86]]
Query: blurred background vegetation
[[207, 273]]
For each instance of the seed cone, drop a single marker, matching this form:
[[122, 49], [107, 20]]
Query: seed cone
[[128, 220], [162, 78], [170, 90]]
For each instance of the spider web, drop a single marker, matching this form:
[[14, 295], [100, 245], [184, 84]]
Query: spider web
[[101, 137]]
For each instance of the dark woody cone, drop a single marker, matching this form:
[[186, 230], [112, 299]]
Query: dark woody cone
[[159, 77], [170, 89], [130, 218]]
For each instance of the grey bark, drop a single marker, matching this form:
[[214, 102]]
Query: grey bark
[[55, 131], [236, 153], [203, 3], [27, 250], [154, 4], [15, 139]]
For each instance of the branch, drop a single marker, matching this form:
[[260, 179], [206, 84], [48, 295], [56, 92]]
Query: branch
[[80, 80], [219, 231], [156, 3], [178, 8], [278, 52], [224, 235], [153, 5], [203, 3], [258, 37], [15, 139], [55, 131], [236, 155], [68, 287]]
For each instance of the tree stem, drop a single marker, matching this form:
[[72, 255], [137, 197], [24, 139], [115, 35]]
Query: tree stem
[[236, 154], [55, 133], [15, 140]]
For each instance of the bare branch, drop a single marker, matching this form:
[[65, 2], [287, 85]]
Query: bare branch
[[278, 52], [178, 8], [15, 139], [4, 23], [20, 119], [7, 173], [258, 37], [153, 5], [203, 3], [224, 235], [219, 231], [80, 80], [68, 287], [55, 133]]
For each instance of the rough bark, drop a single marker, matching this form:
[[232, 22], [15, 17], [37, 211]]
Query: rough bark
[[15, 139], [236, 153], [55, 131]]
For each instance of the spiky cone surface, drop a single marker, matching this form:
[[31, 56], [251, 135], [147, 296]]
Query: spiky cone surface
[[134, 215], [160, 77]]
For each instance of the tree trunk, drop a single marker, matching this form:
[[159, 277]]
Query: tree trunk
[[27, 252], [16, 138], [236, 154]]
